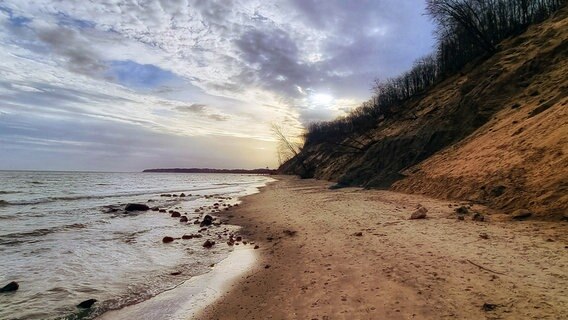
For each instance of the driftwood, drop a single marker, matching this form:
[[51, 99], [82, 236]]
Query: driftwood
[[483, 268]]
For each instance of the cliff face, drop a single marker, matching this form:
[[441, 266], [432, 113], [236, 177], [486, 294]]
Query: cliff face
[[496, 134]]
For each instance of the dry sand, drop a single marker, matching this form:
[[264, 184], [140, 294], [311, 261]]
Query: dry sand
[[398, 268]]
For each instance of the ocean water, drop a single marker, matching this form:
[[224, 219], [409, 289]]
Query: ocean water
[[59, 241]]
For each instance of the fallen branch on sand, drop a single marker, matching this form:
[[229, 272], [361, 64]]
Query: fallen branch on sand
[[483, 268]]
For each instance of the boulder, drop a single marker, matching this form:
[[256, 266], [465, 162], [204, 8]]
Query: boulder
[[420, 213], [136, 207], [176, 214], [521, 214], [208, 244], [167, 239], [183, 219], [182, 195], [207, 221], [86, 304], [10, 287]]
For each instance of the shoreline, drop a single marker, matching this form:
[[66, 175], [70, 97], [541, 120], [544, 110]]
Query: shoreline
[[353, 253], [192, 295]]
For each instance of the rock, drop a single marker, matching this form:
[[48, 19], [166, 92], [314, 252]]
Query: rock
[[239, 238], [460, 217], [521, 214], [478, 217], [165, 195], [208, 244], [176, 214], [484, 235], [207, 221], [462, 210], [155, 209], [136, 207], [290, 233], [419, 214], [358, 234], [187, 236], [86, 304], [10, 287], [182, 195], [176, 273], [167, 239], [488, 307], [150, 200], [183, 219], [163, 210]]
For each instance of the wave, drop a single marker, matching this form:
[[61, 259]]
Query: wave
[[20, 237], [110, 195], [9, 192]]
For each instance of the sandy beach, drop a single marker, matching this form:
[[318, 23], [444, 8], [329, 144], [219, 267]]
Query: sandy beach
[[354, 254]]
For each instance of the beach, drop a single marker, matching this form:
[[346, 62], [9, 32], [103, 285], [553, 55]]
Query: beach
[[355, 254]]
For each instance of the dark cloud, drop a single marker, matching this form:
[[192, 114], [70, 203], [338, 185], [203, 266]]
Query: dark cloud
[[202, 110], [273, 61], [68, 43]]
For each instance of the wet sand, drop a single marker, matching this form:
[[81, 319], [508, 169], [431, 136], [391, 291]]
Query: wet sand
[[191, 296], [314, 264]]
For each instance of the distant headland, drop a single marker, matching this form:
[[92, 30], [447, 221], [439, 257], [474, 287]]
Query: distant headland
[[208, 170]]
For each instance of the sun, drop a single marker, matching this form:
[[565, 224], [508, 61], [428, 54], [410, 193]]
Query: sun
[[321, 98]]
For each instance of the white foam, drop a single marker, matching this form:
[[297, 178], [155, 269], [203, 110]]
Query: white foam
[[188, 299]]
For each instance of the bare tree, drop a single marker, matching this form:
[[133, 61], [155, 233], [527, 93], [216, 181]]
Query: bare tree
[[287, 147]]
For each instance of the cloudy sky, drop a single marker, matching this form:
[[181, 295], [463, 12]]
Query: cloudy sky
[[131, 84]]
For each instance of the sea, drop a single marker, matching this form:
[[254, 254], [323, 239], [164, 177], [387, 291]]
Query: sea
[[65, 238]]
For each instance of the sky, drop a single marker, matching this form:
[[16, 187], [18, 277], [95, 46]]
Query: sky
[[124, 85]]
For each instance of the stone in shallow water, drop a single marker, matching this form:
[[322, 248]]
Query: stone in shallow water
[[86, 304], [10, 287], [136, 207]]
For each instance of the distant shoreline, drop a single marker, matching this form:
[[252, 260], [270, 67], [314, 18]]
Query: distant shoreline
[[208, 170]]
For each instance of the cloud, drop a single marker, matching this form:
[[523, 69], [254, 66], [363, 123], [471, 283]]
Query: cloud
[[201, 110], [195, 70]]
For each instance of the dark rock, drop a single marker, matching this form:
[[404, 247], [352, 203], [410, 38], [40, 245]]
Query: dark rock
[[187, 236], [462, 210], [207, 221], [239, 238], [167, 239], [196, 222], [358, 234], [163, 210], [208, 244], [176, 273], [150, 200], [256, 247], [290, 233], [478, 217], [183, 219], [488, 307], [155, 209], [461, 217], [267, 266], [182, 195], [10, 287], [165, 195], [136, 207], [86, 304], [484, 235], [521, 214], [176, 214]]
